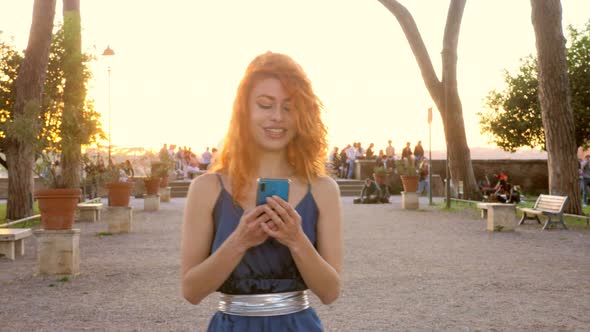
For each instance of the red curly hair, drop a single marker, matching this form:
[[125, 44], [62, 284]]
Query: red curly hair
[[306, 152]]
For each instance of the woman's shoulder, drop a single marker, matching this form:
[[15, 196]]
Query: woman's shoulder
[[205, 184], [324, 186]]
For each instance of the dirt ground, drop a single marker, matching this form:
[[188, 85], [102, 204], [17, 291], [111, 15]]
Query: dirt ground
[[424, 270]]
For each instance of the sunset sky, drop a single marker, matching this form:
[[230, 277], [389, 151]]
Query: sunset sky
[[178, 63]]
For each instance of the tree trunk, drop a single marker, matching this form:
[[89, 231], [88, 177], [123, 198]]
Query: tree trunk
[[20, 153], [554, 98], [74, 94], [444, 94]]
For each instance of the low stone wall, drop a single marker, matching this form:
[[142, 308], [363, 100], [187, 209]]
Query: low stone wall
[[531, 175]]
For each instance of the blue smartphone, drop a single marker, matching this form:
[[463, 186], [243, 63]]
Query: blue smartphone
[[268, 187]]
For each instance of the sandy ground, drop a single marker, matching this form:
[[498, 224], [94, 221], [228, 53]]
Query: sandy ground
[[424, 270]]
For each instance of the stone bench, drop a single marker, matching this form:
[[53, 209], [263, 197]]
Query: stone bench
[[501, 217], [89, 211], [12, 241]]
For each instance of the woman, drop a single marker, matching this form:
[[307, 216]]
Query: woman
[[272, 253]]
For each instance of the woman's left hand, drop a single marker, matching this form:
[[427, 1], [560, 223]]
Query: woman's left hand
[[287, 222]]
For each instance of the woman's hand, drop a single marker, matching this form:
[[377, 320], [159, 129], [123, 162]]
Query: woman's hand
[[249, 232], [285, 222]]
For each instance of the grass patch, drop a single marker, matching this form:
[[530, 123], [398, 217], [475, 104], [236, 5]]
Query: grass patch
[[456, 206], [27, 224], [3, 213], [104, 234], [64, 279]]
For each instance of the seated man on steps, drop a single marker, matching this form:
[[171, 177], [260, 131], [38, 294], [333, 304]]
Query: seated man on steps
[[371, 194]]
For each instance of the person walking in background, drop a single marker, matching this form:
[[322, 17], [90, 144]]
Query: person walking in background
[[423, 183], [351, 156], [264, 259]]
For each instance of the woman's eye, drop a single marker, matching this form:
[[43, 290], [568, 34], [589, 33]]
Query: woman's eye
[[264, 106]]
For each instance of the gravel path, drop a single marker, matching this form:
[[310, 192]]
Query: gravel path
[[419, 270]]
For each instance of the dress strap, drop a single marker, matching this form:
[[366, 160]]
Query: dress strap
[[220, 180]]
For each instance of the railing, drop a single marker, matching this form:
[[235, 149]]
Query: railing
[[20, 220]]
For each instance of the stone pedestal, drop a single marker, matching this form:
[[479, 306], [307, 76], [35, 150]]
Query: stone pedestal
[[151, 202], [58, 252], [165, 194], [410, 200], [501, 217], [120, 219]]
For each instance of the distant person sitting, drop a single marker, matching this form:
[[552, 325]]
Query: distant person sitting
[[193, 166], [418, 152], [371, 193], [407, 155]]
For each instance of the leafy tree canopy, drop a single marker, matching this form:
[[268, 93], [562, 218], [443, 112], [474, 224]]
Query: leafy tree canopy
[[48, 136], [513, 116]]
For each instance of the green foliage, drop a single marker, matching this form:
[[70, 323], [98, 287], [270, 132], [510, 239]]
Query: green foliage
[[165, 164], [513, 116], [381, 170], [405, 168], [84, 129]]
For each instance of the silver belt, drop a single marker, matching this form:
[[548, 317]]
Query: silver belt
[[263, 304]]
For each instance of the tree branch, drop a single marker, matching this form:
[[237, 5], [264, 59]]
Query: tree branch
[[408, 25]]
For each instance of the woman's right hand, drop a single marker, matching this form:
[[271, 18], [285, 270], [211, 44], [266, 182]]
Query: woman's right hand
[[249, 232]]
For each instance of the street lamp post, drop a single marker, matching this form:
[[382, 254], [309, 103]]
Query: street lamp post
[[109, 52], [430, 156]]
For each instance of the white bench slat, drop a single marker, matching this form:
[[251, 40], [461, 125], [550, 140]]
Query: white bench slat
[[548, 205], [13, 234]]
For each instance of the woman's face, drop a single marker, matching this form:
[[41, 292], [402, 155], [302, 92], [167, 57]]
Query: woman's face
[[272, 122]]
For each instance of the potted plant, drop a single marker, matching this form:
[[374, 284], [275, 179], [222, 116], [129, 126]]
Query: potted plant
[[152, 183], [409, 176], [118, 185], [164, 167], [57, 203], [380, 175]]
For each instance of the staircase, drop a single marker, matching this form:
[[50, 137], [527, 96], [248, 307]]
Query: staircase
[[179, 188], [350, 187]]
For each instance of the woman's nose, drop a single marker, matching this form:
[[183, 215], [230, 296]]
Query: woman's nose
[[277, 113]]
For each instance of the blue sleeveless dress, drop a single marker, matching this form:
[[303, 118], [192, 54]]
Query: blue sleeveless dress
[[267, 268]]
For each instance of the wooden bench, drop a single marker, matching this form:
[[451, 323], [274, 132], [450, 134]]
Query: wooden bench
[[89, 211], [548, 205], [11, 241]]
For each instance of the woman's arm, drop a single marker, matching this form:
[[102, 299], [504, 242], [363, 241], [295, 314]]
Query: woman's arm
[[203, 274], [320, 269]]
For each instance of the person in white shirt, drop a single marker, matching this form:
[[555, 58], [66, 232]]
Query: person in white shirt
[[351, 154]]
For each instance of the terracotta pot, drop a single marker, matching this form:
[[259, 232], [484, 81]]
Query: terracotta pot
[[58, 207], [410, 183], [119, 193], [164, 182], [152, 186]]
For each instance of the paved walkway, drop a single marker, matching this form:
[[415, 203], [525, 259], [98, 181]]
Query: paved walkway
[[419, 270]]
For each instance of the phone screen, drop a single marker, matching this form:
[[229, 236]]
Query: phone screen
[[268, 187]]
